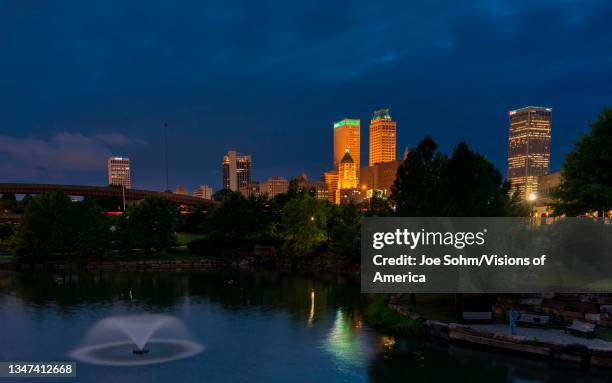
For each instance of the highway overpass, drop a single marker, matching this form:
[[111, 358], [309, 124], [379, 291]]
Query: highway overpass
[[103, 191]]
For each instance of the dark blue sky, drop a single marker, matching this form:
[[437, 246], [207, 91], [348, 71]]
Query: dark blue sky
[[81, 80]]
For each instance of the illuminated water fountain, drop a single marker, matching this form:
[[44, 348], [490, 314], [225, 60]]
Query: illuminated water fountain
[[136, 340]]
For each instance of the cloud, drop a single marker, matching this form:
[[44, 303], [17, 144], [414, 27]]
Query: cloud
[[65, 153], [118, 139]]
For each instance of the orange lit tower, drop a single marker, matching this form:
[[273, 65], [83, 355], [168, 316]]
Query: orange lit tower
[[347, 137], [382, 138], [347, 172]]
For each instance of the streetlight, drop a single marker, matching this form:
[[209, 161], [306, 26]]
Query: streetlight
[[532, 197]]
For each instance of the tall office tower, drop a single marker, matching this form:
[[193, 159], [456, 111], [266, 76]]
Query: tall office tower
[[382, 138], [273, 186], [347, 172], [119, 172], [236, 171], [528, 148], [203, 191], [347, 137]]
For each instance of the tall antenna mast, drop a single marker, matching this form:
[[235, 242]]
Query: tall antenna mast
[[166, 153]]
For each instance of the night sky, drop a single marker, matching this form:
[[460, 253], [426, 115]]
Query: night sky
[[80, 81]]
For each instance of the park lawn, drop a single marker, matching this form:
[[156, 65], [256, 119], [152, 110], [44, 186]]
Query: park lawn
[[440, 307], [185, 238]]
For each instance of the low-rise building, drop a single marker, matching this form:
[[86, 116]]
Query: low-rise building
[[204, 192], [274, 186]]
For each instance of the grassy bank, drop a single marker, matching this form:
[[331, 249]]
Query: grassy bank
[[378, 314]]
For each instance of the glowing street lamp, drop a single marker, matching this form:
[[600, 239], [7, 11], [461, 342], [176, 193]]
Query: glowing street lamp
[[532, 198]]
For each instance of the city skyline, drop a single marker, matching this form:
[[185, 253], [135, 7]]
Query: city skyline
[[82, 83]]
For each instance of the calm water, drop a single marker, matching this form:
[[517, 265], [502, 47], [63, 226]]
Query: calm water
[[264, 326]]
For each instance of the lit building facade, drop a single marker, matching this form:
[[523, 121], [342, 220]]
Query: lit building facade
[[347, 180], [378, 179], [528, 148], [382, 138], [204, 192], [347, 172], [119, 172], [181, 190], [347, 137], [236, 170], [252, 189], [274, 186], [330, 179], [318, 189]]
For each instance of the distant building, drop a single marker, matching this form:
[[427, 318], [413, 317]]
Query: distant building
[[204, 192], [378, 179], [547, 184], [382, 138], [347, 180], [119, 172], [347, 137], [346, 196], [181, 190], [236, 171], [347, 172], [330, 179], [273, 186], [252, 189], [528, 148], [318, 189]]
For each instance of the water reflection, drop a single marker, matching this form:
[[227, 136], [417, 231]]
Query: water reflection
[[264, 326], [344, 341]]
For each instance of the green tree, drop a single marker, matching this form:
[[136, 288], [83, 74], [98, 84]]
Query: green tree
[[416, 189], [377, 206], [6, 231], [344, 227], [471, 186], [304, 225], [93, 238], [193, 221], [8, 202], [430, 184], [586, 174], [49, 225], [151, 223]]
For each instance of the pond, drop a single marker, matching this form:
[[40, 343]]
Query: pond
[[253, 326]]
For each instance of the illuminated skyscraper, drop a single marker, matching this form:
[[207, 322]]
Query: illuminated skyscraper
[[347, 137], [236, 171], [528, 148], [382, 138], [119, 172]]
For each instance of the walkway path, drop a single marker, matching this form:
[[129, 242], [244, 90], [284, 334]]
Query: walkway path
[[544, 335]]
